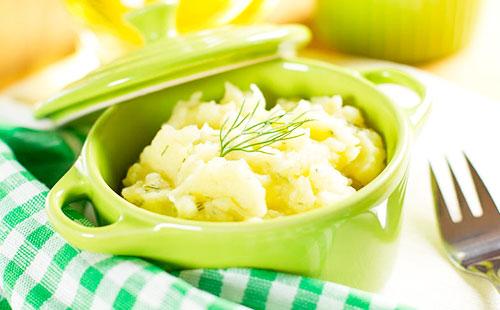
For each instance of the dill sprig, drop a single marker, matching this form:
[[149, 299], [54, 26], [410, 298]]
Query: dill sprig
[[244, 136], [149, 187], [164, 149]]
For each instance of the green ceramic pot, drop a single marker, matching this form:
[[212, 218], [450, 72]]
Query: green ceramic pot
[[408, 31], [353, 242]]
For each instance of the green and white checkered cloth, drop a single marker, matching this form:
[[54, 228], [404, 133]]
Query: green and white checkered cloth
[[39, 269]]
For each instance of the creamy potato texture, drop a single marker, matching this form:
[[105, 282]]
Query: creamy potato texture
[[184, 173]]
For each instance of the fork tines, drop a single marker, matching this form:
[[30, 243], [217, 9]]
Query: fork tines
[[474, 242], [486, 201]]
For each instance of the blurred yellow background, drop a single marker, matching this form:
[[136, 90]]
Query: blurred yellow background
[[34, 33]]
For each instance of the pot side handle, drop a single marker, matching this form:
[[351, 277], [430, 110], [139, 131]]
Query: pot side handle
[[73, 187], [418, 113]]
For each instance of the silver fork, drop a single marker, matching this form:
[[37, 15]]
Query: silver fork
[[473, 244]]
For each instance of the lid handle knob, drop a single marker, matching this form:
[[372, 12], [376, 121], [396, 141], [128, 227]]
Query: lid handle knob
[[154, 21]]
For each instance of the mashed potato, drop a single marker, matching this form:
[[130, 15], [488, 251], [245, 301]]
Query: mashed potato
[[237, 161]]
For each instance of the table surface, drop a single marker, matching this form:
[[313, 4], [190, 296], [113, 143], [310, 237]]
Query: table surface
[[423, 275], [477, 67]]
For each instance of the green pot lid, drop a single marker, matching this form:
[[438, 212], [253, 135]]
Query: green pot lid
[[170, 61]]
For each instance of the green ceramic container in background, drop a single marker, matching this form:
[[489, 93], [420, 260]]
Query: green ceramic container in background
[[407, 31]]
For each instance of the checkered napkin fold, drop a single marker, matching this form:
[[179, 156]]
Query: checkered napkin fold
[[39, 269]]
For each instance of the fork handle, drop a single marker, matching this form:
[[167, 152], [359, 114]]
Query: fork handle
[[490, 268]]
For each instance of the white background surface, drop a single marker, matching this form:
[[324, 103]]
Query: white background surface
[[423, 276]]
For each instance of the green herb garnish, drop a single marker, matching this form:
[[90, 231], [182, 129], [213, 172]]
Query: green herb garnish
[[200, 206], [164, 150], [150, 187], [244, 136]]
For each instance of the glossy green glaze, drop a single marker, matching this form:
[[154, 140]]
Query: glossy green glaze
[[176, 60], [348, 242]]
